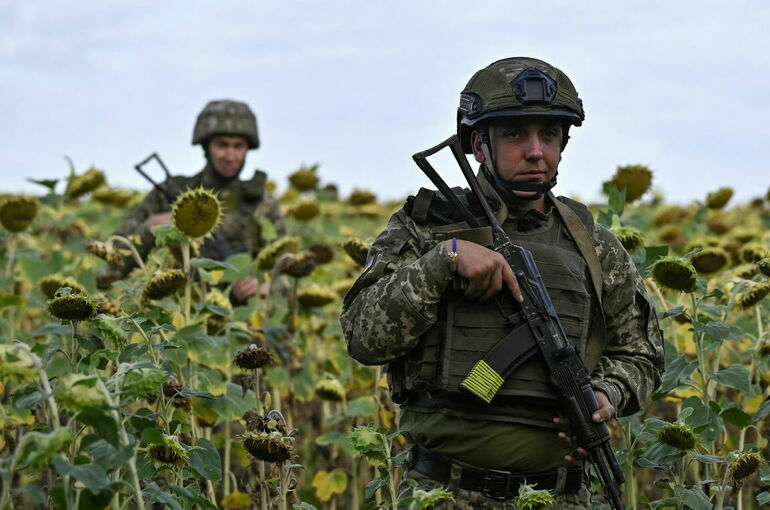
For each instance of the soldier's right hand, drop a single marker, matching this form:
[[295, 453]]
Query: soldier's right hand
[[163, 218], [485, 270]]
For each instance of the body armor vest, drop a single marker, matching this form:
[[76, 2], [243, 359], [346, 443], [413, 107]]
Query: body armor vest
[[430, 375]]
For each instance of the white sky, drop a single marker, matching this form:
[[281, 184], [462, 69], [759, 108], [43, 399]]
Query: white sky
[[360, 86]]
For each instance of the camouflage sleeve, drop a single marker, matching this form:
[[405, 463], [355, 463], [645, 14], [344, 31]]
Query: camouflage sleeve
[[632, 362], [133, 228], [395, 300]]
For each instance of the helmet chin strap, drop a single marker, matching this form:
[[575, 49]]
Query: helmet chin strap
[[512, 186], [217, 173]]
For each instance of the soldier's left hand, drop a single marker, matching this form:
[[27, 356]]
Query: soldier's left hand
[[604, 413], [244, 288]]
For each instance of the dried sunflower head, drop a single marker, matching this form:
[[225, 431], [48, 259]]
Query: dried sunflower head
[[745, 234], [306, 209], [630, 237], [330, 389], [323, 252], [17, 213], [196, 212], [305, 179], [669, 215], [743, 466], [533, 499], [171, 453], [753, 295], [718, 223], [53, 282], [106, 306], [674, 273], [79, 185], [73, 307], [356, 249], [172, 389], [17, 364], [719, 198], [105, 251], [754, 252], [164, 283], [116, 197], [709, 260], [635, 179], [253, 357], [270, 253], [361, 197], [315, 295], [679, 436], [764, 266], [297, 265], [672, 234], [745, 271], [268, 446]]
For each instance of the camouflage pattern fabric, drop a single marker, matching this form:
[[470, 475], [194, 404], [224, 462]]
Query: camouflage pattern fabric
[[245, 205], [472, 500]]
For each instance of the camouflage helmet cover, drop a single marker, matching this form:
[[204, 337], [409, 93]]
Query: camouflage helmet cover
[[226, 117], [517, 86]]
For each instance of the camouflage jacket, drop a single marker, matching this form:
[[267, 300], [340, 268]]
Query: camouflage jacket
[[395, 301], [245, 205]]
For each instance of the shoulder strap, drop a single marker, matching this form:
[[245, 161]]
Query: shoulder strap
[[579, 232], [421, 205], [254, 188]]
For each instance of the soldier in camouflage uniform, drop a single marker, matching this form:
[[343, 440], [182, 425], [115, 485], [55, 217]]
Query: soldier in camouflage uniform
[[423, 306], [226, 130]]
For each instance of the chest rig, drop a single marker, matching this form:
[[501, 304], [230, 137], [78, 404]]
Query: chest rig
[[428, 378]]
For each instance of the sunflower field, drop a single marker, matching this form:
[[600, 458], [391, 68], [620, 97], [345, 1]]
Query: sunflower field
[[157, 392]]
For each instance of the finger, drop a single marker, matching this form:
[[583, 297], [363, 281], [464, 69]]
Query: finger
[[477, 286], [604, 413], [512, 282], [565, 440], [495, 284]]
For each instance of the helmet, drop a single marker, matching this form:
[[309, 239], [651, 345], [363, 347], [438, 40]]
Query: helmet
[[226, 117], [513, 87]]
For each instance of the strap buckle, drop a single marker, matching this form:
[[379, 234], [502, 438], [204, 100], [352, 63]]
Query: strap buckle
[[497, 484]]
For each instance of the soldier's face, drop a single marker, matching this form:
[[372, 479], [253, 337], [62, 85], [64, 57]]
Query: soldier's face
[[524, 150], [227, 154]]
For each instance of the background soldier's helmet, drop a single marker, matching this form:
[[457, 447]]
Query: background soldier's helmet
[[514, 87], [226, 117]]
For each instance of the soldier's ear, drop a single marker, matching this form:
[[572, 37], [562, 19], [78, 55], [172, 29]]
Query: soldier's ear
[[476, 141]]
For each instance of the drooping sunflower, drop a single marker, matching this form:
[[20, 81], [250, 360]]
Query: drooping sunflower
[[72, 307], [753, 295], [270, 253], [323, 252], [315, 295], [305, 179], [196, 212], [754, 252], [79, 185], [635, 179], [53, 282], [356, 249], [709, 260], [330, 389], [306, 209], [679, 436], [361, 197], [17, 213], [170, 453], [164, 283], [298, 265], [674, 273], [719, 198], [253, 357], [631, 238], [105, 251], [743, 466]]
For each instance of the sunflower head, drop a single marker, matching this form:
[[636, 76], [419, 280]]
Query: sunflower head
[[719, 198], [164, 283], [315, 295], [630, 237], [270, 253], [53, 282], [305, 179], [361, 197], [306, 209], [253, 357], [764, 266], [356, 249], [709, 260], [672, 234], [79, 185], [17, 213], [170, 453], [635, 179], [105, 251], [743, 466], [669, 215], [718, 223], [753, 295], [679, 436], [116, 197], [196, 212], [745, 271], [72, 307], [745, 234], [674, 273], [323, 252], [270, 446], [330, 389], [298, 265], [533, 499], [754, 252]]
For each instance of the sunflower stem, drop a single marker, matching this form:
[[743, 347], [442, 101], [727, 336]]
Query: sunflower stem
[[11, 254], [188, 284], [128, 244]]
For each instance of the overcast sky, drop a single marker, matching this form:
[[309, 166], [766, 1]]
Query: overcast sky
[[360, 86]]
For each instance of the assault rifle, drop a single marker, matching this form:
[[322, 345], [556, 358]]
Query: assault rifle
[[536, 329]]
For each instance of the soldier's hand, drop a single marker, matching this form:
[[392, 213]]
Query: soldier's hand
[[604, 413], [158, 219], [486, 271], [244, 288]]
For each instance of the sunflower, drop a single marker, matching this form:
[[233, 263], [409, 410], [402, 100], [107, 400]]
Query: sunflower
[[361, 197], [170, 453], [753, 295], [630, 237], [679, 436], [73, 307], [297, 265], [709, 260], [253, 357], [719, 198], [270, 253], [674, 273], [330, 389], [306, 210], [17, 213], [635, 179], [305, 179], [105, 251], [356, 249], [164, 283], [53, 282], [196, 212], [315, 295], [743, 466], [79, 185]]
